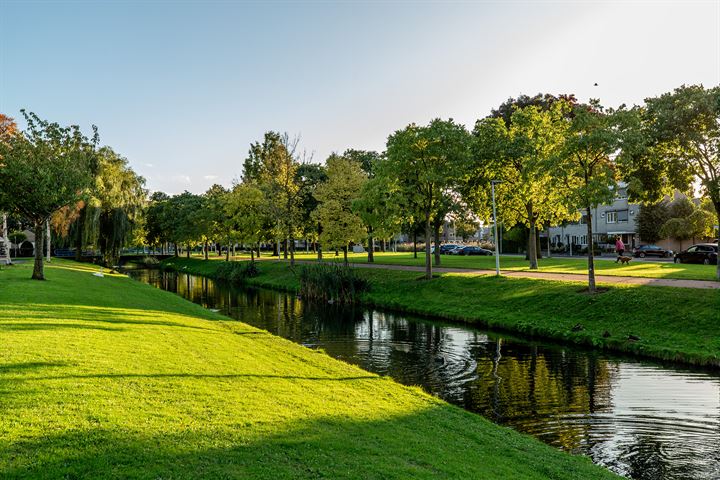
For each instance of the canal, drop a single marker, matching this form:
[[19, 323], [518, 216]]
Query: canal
[[641, 419]]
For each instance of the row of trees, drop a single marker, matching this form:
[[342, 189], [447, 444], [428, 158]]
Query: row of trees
[[554, 158]]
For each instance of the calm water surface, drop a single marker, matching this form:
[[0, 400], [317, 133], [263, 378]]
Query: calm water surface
[[638, 418]]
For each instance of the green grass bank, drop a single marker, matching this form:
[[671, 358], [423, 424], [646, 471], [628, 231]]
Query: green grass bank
[[603, 265], [111, 378], [678, 324]]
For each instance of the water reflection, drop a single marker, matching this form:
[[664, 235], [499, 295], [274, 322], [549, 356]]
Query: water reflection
[[640, 419]]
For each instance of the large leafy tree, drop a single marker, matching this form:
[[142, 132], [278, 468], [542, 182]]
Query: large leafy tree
[[684, 126], [378, 212], [589, 165], [243, 207], [522, 154], [340, 224], [425, 161], [44, 168], [273, 166], [310, 176], [650, 221], [156, 233]]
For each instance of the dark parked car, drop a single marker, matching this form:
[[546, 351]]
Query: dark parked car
[[651, 251], [447, 248], [471, 251], [706, 253]]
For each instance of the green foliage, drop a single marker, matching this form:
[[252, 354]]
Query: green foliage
[[423, 167], [331, 282], [689, 221], [17, 237], [650, 221], [43, 169], [340, 224], [114, 205], [524, 152], [236, 272]]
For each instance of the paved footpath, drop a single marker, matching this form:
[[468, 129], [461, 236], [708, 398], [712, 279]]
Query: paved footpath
[[572, 277]]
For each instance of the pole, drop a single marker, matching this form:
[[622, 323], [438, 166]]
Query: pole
[[497, 255]]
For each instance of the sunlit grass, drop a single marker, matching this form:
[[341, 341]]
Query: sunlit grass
[[603, 266], [109, 378]]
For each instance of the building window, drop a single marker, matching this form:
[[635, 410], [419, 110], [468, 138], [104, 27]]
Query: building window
[[611, 217], [622, 216]]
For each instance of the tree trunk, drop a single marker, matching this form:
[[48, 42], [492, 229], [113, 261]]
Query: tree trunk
[[6, 240], [176, 251], [383, 247], [532, 243], [187, 251], [285, 249], [414, 244], [258, 250], [206, 250], [428, 241], [371, 246], [79, 234], [48, 246], [717, 211], [437, 242], [591, 258], [319, 252], [291, 246], [38, 271], [345, 259], [252, 255], [227, 253]]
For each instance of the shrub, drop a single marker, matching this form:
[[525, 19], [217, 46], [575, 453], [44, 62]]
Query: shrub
[[150, 262], [331, 282], [236, 272]]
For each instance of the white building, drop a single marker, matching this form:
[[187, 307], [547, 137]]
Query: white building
[[618, 218]]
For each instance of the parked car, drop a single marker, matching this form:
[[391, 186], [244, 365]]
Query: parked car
[[651, 251], [471, 251], [448, 247], [706, 253]]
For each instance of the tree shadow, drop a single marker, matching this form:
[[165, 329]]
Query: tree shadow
[[437, 441], [54, 326]]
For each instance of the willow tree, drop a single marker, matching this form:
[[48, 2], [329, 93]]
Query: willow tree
[[521, 153], [44, 168], [117, 198], [425, 163]]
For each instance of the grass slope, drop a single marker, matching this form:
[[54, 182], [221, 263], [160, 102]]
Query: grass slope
[[679, 324], [110, 378], [603, 266]]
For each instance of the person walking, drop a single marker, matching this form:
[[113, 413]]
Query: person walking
[[619, 246]]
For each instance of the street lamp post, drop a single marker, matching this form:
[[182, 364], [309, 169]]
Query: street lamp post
[[497, 254]]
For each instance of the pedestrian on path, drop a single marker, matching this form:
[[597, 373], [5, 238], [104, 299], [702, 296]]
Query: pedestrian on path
[[619, 246]]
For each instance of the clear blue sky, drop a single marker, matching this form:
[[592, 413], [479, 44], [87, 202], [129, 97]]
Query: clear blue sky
[[182, 88]]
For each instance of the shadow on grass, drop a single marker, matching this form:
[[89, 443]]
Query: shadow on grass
[[438, 441], [121, 376], [87, 313], [53, 326]]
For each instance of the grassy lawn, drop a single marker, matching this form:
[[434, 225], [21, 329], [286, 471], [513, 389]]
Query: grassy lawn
[[603, 266], [679, 324], [110, 378]]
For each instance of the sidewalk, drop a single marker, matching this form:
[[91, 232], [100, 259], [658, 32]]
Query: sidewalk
[[567, 277]]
